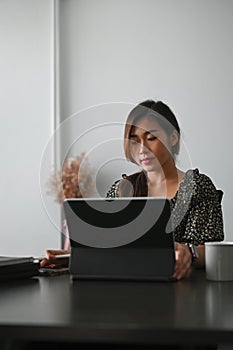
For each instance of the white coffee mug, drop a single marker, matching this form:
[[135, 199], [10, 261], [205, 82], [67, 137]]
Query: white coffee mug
[[219, 261]]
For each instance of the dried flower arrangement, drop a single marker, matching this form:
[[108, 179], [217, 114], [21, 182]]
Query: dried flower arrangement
[[75, 180]]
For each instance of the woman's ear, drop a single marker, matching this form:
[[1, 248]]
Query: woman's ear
[[174, 138]]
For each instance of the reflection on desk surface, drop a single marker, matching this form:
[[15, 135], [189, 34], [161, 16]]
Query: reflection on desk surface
[[203, 303], [191, 304]]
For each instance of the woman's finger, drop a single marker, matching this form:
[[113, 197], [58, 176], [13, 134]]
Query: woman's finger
[[51, 260]]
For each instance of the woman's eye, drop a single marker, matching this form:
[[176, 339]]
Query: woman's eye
[[152, 138], [133, 142]]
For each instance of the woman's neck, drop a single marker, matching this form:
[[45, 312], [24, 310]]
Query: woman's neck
[[168, 172], [164, 183]]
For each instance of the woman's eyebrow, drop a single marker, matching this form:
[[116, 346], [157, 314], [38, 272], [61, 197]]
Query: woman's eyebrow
[[151, 131], [147, 132], [132, 136]]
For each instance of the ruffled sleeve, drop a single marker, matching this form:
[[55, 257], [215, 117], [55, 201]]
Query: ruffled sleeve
[[203, 221], [113, 192]]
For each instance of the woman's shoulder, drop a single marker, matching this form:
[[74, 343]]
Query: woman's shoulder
[[201, 184], [115, 188], [113, 191]]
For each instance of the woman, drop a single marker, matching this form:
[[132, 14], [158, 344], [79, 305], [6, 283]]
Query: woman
[[152, 140]]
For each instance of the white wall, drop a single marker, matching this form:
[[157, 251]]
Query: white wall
[[26, 100], [179, 51]]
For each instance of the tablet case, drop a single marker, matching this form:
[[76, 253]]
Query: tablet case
[[150, 257]]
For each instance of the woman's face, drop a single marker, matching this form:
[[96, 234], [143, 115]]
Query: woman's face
[[150, 146]]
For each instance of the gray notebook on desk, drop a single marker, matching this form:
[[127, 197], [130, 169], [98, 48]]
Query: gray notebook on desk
[[123, 238]]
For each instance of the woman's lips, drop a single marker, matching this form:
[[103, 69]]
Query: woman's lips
[[146, 160]]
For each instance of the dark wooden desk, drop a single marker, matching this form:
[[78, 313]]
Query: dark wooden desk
[[193, 311]]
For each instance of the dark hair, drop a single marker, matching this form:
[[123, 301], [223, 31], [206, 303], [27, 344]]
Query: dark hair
[[158, 110]]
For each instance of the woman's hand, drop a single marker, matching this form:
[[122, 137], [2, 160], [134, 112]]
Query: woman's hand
[[51, 260], [183, 261]]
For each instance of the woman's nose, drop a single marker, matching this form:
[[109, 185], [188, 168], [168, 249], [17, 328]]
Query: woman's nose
[[143, 148]]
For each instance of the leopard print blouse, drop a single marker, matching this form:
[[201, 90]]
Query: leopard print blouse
[[196, 209]]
